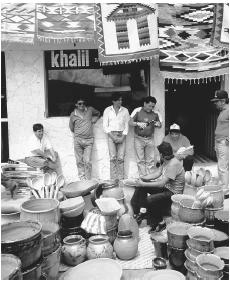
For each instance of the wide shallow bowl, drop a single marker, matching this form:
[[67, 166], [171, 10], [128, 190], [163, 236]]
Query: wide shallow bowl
[[96, 269], [164, 274], [71, 203], [201, 238], [221, 238], [188, 213], [76, 211], [178, 234], [209, 266], [176, 256], [108, 206], [223, 253], [79, 188], [10, 267]]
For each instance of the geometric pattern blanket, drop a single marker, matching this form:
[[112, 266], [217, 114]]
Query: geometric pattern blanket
[[126, 32]]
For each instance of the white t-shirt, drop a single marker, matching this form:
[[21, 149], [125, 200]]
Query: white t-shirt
[[34, 143]]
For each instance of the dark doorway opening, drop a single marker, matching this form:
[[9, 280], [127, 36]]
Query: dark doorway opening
[[188, 104]]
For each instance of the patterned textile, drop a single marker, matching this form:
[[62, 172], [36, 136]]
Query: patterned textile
[[126, 32], [145, 255], [184, 38], [18, 22], [220, 36], [63, 22]]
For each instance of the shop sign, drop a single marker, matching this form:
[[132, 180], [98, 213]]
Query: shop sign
[[71, 59]]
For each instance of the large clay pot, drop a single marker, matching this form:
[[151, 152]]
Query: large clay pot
[[99, 247], [74, 249], [176, 198], [125, 245]]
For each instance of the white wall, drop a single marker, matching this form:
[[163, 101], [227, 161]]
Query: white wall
[[25, 82]]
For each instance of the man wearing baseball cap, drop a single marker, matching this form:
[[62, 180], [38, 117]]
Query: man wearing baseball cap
[[222, 135]]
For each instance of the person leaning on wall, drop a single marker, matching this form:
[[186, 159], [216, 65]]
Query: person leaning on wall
[[221, 102], [81, 125]]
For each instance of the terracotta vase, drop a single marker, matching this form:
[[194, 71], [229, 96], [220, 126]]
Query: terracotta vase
[[74, 249], [125, 245], [99, 247]]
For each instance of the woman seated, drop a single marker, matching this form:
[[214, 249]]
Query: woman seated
[[155, 196]]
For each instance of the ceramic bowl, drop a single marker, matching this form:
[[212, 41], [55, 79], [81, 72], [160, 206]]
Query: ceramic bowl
[[50, 237], [159, 263], [10, 267], [217, 194], [221, 238], [176, 256], [201, 238], [176, 198], [178, 234], [223, 253], [189, 214], [209, 266], [191, 275], [191, 261], [79, 188], [71, 203], [75, 212], [194, 253]]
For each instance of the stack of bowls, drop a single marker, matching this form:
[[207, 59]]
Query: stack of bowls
[[201, 240], [223, 253], [72, 216], [177, 236]]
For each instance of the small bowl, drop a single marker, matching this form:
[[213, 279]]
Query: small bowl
[[159, 263], [209, 266], [201, 238], [176, 256]]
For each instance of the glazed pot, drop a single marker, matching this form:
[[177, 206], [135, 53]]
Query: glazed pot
[[176, 198], [125, 245], [50, 238], [74, 249], [10, 267], [99, 247], [176, 256], [217, 194], [178, 234], [189, 214], [209, 266]]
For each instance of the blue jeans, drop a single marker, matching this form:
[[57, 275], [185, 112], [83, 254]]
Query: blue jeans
[[145, 152], [83, 152], [222, 154]]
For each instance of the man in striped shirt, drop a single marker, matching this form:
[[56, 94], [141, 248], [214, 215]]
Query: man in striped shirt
[[81, 124]]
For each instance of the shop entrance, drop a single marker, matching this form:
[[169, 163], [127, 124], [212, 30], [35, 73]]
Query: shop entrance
[[188, 104]]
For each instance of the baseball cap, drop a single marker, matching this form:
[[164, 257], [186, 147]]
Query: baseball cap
[[220, 95], [174, 127]]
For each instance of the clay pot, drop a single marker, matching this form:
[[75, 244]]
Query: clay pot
[[178, 234], [50, 238], [99, 247], [50, 265], [125, 245], [189, 214], [74, 249], [176, 198]]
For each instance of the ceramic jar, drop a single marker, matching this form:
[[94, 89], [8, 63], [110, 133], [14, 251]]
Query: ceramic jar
[[99, 247], [125, 245], [74, 249]]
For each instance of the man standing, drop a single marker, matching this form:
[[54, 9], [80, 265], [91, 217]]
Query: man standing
[[144, 123], [177, 140], [116, 125], [222, 135], [40, 151], [81, 124]]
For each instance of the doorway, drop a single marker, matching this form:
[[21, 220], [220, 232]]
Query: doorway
[[188, 104]]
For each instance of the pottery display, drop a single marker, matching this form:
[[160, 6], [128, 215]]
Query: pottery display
[[176, 198], [44, 210], [76, 230], [190, 214], [99, 247], [74, 249], [10, 267], [178, 234], [23, 239], [193, 253], [125, 245], [191, 261], [50, 238], [209, 266], [79, 188], [110, 219], [127, 222], [96, 269]]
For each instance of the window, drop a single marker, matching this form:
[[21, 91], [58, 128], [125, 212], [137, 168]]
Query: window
[[74, 73]]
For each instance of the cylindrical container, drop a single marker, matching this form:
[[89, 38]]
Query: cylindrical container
[[50, 238], [10, 267], [160, 244], [44, 210], [99, 247], [178, 234], [23, 239], [50, 265], [176, 256], [7, 217], [176, 198], [209, 266], [125, 245], [34, 272], [74, 249]]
